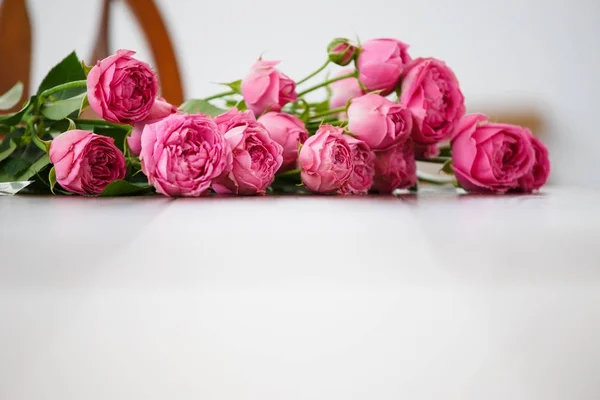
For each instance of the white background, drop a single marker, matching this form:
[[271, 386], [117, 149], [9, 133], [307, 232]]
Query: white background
[[506, 53]]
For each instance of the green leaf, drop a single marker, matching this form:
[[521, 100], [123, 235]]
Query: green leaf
[[63, 108], [52, 179], [241, 105], [194, 106], [86, 68], [85, 103], [34, 168], [124, 188], [118, 134], [9, 99], [236, 86], [68, 70], [447, 167], [7, 147], [14, 119]]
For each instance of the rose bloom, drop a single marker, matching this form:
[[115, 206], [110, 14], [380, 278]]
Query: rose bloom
[[363, 168], [490, 157], [380, 64], [287, 130], [431, 91], [183, 154], [256, 156], [160, 109], [344, 90], [395, 168], [122, 89], [378, 121], [325, 160], [267, 89], [341, 51], [84, 162], [538, 175]]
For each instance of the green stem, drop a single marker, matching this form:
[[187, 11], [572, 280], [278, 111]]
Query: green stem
[[219, 95], [100, 122], [321, 68], [435, 160], [327, 82], [292, 172], [424, 177], [329, 112], [65, 86]]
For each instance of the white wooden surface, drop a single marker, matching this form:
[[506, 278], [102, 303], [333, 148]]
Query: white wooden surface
[[436, 296]]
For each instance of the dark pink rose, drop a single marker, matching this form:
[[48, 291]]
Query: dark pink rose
[[288, 131], [122, 89], [256, 156], [489, 156], [325, 160], [183, 154], [379, 122], [431, 91], [363, 167], [380, 64], [341, 51], [267, 89], [538, 175], [344, 90], [395, 168], [160, 109], [85, 163]]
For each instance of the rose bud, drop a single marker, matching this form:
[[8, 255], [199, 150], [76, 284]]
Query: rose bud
[[256, 156], [160, 109], [288, 131], [395, 168], [363, 168], [84, 162], [341, 51], [122, 89], [267, 89], [431, 91], [490, 157], [538, 175], [325, 160], [378, 121], [344, 90], [183, 154], [380, 64]]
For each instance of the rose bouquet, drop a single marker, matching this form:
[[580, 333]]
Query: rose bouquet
[[377, 117]]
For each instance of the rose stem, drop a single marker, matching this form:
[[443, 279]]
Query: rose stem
[[327, 82], [321, 68]]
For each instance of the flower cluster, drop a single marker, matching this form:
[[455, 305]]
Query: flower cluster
[[384, 112]]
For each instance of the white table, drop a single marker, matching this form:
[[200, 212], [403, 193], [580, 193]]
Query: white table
[[432, 297]]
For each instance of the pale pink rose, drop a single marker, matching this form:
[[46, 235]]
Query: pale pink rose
[[490, 156], [85, 163], [267, 89], [380, 64], [363, 168], [538, 175], [122, 89], [431, 91], [183, 154], [287, 130], [325, 160], [256, 156], [341, 51], [344, 90], [395, 168], [160, 109], [378, 121]]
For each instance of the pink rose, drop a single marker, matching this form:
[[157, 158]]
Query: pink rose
[[380, 64], [85, 163], [256, 157], [344, 90], [341, 51], [160, 109], [395, 168], [490, 156], [288, 131], [122, 89], [183, 154], [267, 89], [538, 175], [325, 160], [430, 90], [363, 167], [379, 122]]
